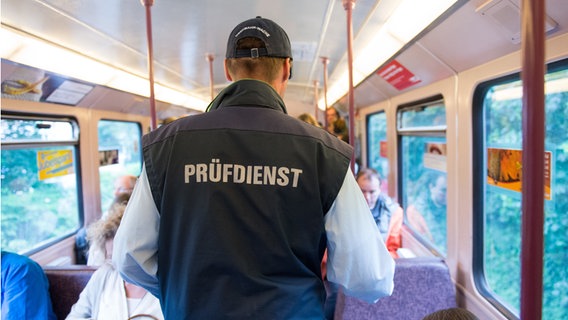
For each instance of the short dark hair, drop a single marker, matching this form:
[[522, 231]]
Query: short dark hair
[[367, 173], [334, 110], [451, 314], [263, 68]]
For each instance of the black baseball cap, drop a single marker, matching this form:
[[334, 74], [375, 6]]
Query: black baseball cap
[[274, 37]]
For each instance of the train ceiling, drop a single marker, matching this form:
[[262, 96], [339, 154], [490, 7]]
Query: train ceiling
[[185, 32]]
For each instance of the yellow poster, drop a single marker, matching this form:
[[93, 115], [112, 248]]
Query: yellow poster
[[505, 166], [54, 163]]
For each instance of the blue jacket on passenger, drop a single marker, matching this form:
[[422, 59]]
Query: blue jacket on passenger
[[25, 289]]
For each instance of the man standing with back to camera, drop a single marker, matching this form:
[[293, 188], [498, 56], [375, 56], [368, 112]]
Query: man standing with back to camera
[[234, 207]]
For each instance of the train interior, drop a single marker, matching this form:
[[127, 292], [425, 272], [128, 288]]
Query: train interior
[[462, 44], [466, 34]]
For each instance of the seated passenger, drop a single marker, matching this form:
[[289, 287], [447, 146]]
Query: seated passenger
[[124, 184], [451, 314], [123, 187], [97, 254], [387, 213], [308, 118], [107, 295], [427, 210], [25, 289]]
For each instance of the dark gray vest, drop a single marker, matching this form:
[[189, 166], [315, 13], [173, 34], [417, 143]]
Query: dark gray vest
[[242, 192]]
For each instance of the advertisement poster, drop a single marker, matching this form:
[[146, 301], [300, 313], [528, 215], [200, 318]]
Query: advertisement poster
[[435, 156], [383, 150], [505, 166], [54, 163], [31, 84]]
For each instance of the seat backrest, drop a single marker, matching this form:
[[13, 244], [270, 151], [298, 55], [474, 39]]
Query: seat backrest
[[65, 285], [421, 286]]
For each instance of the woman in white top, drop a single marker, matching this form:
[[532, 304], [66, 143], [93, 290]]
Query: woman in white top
[[107, 295]]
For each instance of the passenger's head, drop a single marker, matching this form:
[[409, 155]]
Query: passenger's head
[[259, 49], [306, 117], [169, 120], [121, 198], [369, 181], [124, 184], [451, 314], [340, 129], [101, 233], [438, 190], [331, 115]]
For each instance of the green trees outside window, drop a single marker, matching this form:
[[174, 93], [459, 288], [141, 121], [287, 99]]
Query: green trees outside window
[[501, 186], [40, 195]]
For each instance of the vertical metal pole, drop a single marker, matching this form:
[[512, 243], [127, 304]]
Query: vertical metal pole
[[325, 61], [316, 98], [210, 58], [533, 72], [349, 5], [148, 5]]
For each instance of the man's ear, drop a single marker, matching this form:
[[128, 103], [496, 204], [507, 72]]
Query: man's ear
[[227, 75], [287, 74]]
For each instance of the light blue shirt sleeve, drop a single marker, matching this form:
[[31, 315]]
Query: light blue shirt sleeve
[[135, 248], [358, 259]]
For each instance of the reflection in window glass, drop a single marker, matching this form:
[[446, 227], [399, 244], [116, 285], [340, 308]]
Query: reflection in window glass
[[422, 116], [423, 159], [29, 130], [502, 108], [40, 197], [424, 195], [119, 154], [377, 146]]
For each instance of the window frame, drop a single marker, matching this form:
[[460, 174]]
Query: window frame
[[369, 146], [419, 131], [140, 128], [75, 144], [478, 159]]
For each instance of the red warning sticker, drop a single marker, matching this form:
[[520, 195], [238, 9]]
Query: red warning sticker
[[398, 76]]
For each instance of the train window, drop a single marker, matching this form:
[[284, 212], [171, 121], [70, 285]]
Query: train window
[[498, 163], [377, 146], [40, 188], [119, 153], [421, 128]]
